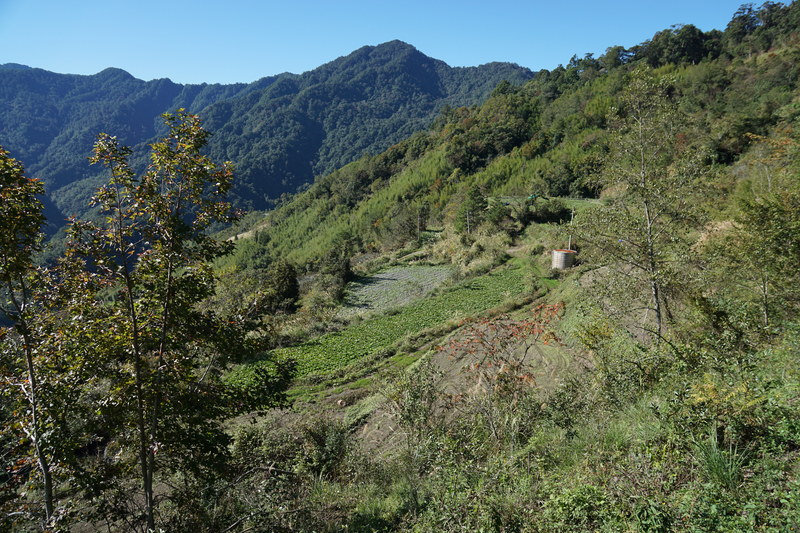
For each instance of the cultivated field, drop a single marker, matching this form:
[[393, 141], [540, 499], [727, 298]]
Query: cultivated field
[[392, 288]]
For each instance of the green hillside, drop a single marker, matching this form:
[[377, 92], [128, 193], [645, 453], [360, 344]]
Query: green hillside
[[548, 137], [391, 348], [661, 398]]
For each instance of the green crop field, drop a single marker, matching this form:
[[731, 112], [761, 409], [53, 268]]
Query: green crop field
[[334, 351]]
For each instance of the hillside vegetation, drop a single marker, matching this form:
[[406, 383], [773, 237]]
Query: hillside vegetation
[[232, 387], [673, 406], [548, 137]]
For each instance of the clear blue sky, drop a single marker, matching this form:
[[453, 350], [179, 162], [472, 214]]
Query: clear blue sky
[[243, 40]]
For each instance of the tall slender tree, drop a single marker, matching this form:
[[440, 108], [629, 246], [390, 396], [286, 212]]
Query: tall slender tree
[[20, 364], [471, 212], [154, 251], [650, 179], [756, 258]]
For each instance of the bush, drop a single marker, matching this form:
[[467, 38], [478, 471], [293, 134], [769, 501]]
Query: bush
[[551, 211], [581, 508], [326, 445]]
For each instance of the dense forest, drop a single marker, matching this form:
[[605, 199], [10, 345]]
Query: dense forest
[[281, 131], [392, 348]]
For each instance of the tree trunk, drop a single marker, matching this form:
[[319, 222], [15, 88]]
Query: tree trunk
[[652, 265], [22, 327], [654, 288], [36, 435]]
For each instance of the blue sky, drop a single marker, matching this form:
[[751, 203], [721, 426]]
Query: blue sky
[[243, 40]]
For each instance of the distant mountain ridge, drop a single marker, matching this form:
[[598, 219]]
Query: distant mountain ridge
[[279, 131]]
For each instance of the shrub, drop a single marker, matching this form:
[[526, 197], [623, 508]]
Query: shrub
[[581, 508], [550, 211], [537, 249], [326, 444]]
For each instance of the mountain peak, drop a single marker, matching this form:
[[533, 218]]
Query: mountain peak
[[382, 52], [14, 66], [396, 45], [113, 72]]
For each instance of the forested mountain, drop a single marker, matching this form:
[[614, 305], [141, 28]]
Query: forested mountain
[[279, 131], [362, 103]]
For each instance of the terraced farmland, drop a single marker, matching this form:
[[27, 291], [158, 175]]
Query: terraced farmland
[[333, 351], [392, 288]]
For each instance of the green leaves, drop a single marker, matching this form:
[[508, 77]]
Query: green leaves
[[21, 215], [128, 328], [27, 378]]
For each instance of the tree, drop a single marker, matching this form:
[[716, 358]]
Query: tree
[[679, 44], [405, 222], [741, 27], [253, 292], [20, 237], [769, 248], [614, 57], [472, 210], [153, 250], [48, 369], [280, 290], [650, 177], [756, 258]]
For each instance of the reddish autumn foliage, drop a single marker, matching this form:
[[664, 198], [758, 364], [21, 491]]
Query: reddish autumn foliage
[[498, 350]]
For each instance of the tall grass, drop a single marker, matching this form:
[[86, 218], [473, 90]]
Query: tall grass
[[718, 465]]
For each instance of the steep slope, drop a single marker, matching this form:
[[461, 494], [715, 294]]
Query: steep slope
[[695, 431], [548, 137], [279, 131]]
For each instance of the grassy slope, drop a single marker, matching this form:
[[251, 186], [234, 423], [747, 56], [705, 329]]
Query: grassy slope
[[335, 350]]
